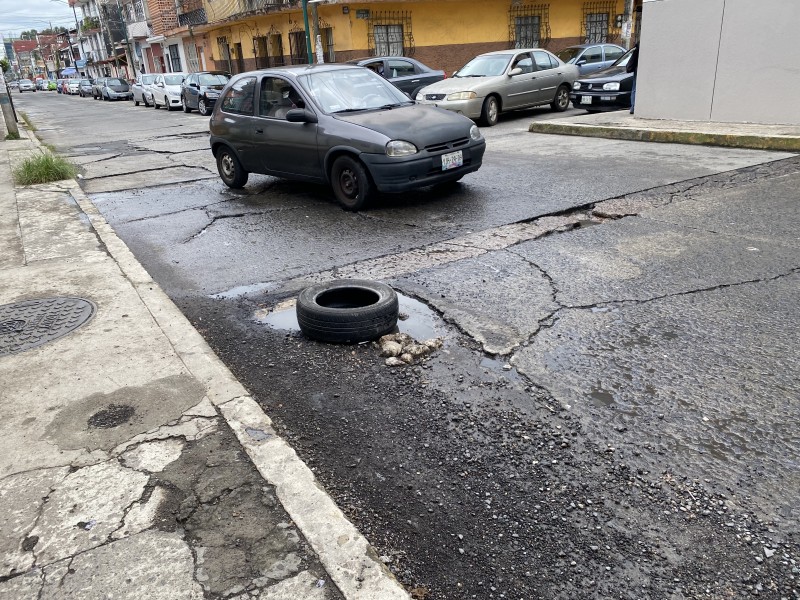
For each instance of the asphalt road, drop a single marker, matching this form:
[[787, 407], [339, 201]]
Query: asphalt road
[[615, 408]]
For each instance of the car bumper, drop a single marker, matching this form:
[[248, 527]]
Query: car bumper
[[173, 100], [601, 101], [403, 174], [120, 95], [468, 108]]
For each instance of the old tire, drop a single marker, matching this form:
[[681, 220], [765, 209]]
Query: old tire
[[230, 169], [351, 183], [347, 311], [561, 101], [490, 111], [202, 107]]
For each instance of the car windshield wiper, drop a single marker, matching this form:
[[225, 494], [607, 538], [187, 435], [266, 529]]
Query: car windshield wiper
[[395, 105], [348, 110]]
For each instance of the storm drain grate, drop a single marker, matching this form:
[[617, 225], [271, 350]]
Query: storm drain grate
[[26, 325]]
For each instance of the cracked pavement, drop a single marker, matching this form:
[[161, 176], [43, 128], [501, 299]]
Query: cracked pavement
[[613, 412]]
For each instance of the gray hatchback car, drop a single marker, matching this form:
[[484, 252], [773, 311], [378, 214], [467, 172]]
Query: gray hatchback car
[[342, 125]]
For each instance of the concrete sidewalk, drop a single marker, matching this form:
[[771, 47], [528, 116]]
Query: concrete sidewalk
[[132, 463], [622, 125]]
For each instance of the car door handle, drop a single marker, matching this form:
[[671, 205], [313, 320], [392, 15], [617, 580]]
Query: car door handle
[[415, 81], [259, 131]]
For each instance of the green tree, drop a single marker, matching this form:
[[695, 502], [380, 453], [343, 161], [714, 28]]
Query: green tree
[[4, 64]]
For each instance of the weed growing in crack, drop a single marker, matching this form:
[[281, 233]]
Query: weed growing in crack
[[43, 168]]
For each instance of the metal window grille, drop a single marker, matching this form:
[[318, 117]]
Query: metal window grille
[[191, 57], [261, 51], [138, 9], [276, 49], [326, 33], [389, 33], [224, 52], [529, 25], [597, 26], [297, 46], [174, 58]]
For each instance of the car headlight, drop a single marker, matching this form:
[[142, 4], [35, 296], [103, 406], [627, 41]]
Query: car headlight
[[462, 96], [212, 94], [420, 97], [576, 85], [475, 133], [612, 86], [400, 148]]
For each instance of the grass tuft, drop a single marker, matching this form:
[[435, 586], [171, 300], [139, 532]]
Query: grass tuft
[[43, 169], [28, 121], [12, 136]]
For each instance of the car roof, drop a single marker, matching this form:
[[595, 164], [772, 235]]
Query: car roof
[[511, 51], [295, 70]]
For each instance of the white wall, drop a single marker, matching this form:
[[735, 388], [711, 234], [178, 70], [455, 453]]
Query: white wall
[[720, 60]]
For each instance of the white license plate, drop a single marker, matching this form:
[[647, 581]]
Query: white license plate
[[452, 160], [586, 99]]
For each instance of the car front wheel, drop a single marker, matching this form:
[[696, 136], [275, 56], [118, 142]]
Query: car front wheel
[[490, 112], [230, 169], [202, 107], [351, 183], [561, 101], [185, 106]]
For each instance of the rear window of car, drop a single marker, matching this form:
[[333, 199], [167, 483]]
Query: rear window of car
[[239, 98]]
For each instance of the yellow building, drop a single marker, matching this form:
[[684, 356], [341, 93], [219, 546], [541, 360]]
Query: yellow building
[[242, 35]]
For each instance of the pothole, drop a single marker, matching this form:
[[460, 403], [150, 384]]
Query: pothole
[[113, 415]]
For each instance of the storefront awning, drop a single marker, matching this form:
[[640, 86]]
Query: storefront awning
[[69, 71]]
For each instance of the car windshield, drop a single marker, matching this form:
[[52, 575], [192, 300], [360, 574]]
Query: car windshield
[[173, 79], [209, 79], [25, 81], [623, 60], [351, 90], [114, 82], [85, 82], [485, 66], [147, 79], [568, 54]]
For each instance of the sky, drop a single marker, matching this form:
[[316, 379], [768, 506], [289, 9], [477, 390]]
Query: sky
[[17, 16]]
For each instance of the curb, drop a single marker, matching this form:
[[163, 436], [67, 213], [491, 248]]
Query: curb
[[352, 564], [754, 142]]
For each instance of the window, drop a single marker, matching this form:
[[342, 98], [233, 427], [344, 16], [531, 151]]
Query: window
[[593, 55], [542, 60], [389, 40], [239, 98], [528, 25], [277, 97], [597, 24], [175, 58], [297, 47], [389, 33], [326, 33], [596, 28], [527, 32], [613, 53], [224, 52], [191, 57], [401, 68], [524, 62]]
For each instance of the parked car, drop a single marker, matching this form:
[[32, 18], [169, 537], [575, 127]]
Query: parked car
[[167, 90], [141, 89], [58, 85], [201, 90], [609, 89], [115, 88], [26, 85], [40, 83], [97, 87], [13, 84], [338, 124], [51, 85], [85, 87], [407, 74], [504, 80], [73, 87], [591, 57]]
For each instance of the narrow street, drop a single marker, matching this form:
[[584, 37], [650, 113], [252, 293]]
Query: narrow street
[[614, 409]]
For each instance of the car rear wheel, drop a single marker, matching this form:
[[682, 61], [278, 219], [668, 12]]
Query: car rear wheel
[[155, 102], [561, 101], [490, 111], [351, 183], [230, 169], [202, 107], [144, 101]]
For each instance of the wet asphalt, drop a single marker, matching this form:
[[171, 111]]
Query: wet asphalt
[[636, 437]]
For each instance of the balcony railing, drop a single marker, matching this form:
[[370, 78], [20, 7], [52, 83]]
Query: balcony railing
[[195, 17]]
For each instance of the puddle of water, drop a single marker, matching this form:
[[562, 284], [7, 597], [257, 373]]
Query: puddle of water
[[500, 365], [421, 322]]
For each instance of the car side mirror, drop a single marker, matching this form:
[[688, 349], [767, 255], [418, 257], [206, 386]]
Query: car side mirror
[[301, 115], [515, 71], [581, 62], [160, 84], [194, 85]]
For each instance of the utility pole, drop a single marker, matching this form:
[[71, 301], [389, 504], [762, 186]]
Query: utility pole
[[129, 52], [9, 115]]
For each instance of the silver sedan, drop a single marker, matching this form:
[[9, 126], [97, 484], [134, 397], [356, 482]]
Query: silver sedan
[[501, 81]]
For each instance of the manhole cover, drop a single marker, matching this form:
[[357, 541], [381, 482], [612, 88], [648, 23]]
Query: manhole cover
[[25, 325]]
